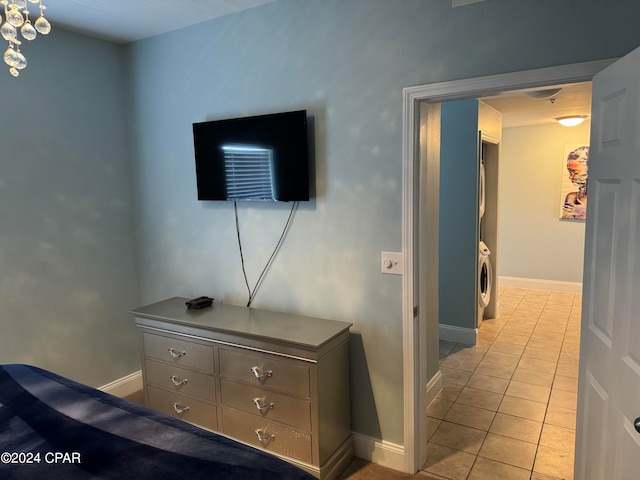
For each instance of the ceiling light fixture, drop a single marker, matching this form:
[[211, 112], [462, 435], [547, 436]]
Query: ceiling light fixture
[[16, 16], [571, 120]]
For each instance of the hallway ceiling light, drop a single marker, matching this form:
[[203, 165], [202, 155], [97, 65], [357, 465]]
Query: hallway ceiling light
[[571, 120], [16, 16]]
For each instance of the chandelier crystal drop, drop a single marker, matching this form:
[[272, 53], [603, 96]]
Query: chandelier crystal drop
[[9, 32], [16, 18], [11, 56], [27, 31]]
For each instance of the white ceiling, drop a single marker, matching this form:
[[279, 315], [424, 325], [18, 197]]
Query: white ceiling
[[520, 107], [124, 21]]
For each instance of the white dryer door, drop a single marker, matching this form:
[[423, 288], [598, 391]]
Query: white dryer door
[[484, 281]]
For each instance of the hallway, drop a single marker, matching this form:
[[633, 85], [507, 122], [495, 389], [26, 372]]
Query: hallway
[[508, 406]]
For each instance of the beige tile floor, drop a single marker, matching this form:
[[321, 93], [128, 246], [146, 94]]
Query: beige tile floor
[[507, 409]]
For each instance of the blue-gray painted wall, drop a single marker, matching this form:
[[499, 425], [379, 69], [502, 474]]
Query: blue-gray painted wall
[[67, 249], [459, 197], [347, 63]]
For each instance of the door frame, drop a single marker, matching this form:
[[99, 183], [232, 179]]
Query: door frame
[[415, 176]]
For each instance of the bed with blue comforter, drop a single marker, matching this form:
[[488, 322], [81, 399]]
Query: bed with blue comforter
[[54, 428]]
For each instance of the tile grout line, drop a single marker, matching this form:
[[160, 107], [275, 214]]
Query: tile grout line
[[521, 355]]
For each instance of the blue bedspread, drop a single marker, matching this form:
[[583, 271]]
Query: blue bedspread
[[53, 428]]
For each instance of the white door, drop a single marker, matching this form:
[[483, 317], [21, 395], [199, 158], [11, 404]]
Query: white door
[[607, 443]]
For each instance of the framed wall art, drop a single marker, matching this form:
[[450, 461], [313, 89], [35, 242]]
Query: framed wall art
[[575, 171]]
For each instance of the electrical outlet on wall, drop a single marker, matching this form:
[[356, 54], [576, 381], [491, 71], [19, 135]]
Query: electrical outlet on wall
[[392, 262]]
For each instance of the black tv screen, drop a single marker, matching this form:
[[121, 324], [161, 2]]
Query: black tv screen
[[253, 158]]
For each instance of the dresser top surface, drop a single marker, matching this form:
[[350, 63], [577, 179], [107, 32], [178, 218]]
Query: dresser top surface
[[244, 321]]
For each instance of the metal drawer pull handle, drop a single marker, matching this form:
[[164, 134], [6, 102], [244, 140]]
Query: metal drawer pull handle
[[180, 409], [257, 372], [263, 436], [177, 382], [175, 354], [263, 407]]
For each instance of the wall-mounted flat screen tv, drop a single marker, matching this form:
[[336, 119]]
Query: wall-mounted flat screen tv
[[262, 157]]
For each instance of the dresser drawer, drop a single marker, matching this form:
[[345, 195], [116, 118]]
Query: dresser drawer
[[178, 379], [179, 351], [183, 407], [277, 406], [275, 438], [290, 377]]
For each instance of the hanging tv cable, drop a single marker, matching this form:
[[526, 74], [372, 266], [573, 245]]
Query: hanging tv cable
[[252, 293]]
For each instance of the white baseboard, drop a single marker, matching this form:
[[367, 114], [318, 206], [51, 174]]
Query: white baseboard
[[539, 284], [434, 386], [466, 336], [378, 451], [124, 386]]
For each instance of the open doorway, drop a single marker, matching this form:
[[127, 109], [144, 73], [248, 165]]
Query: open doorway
[[508, 403], [419, 162]]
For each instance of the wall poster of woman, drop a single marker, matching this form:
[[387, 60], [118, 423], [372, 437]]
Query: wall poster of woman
[[574, 182]]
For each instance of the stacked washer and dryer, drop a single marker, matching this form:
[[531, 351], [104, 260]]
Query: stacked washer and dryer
[[485, 275]]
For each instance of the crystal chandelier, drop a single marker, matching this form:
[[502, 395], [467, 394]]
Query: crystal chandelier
[[16, 16]]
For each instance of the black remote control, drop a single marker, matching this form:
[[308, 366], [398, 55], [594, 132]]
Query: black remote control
[[200, 302]]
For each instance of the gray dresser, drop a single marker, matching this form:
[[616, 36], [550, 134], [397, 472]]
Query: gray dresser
[[276, 381]]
